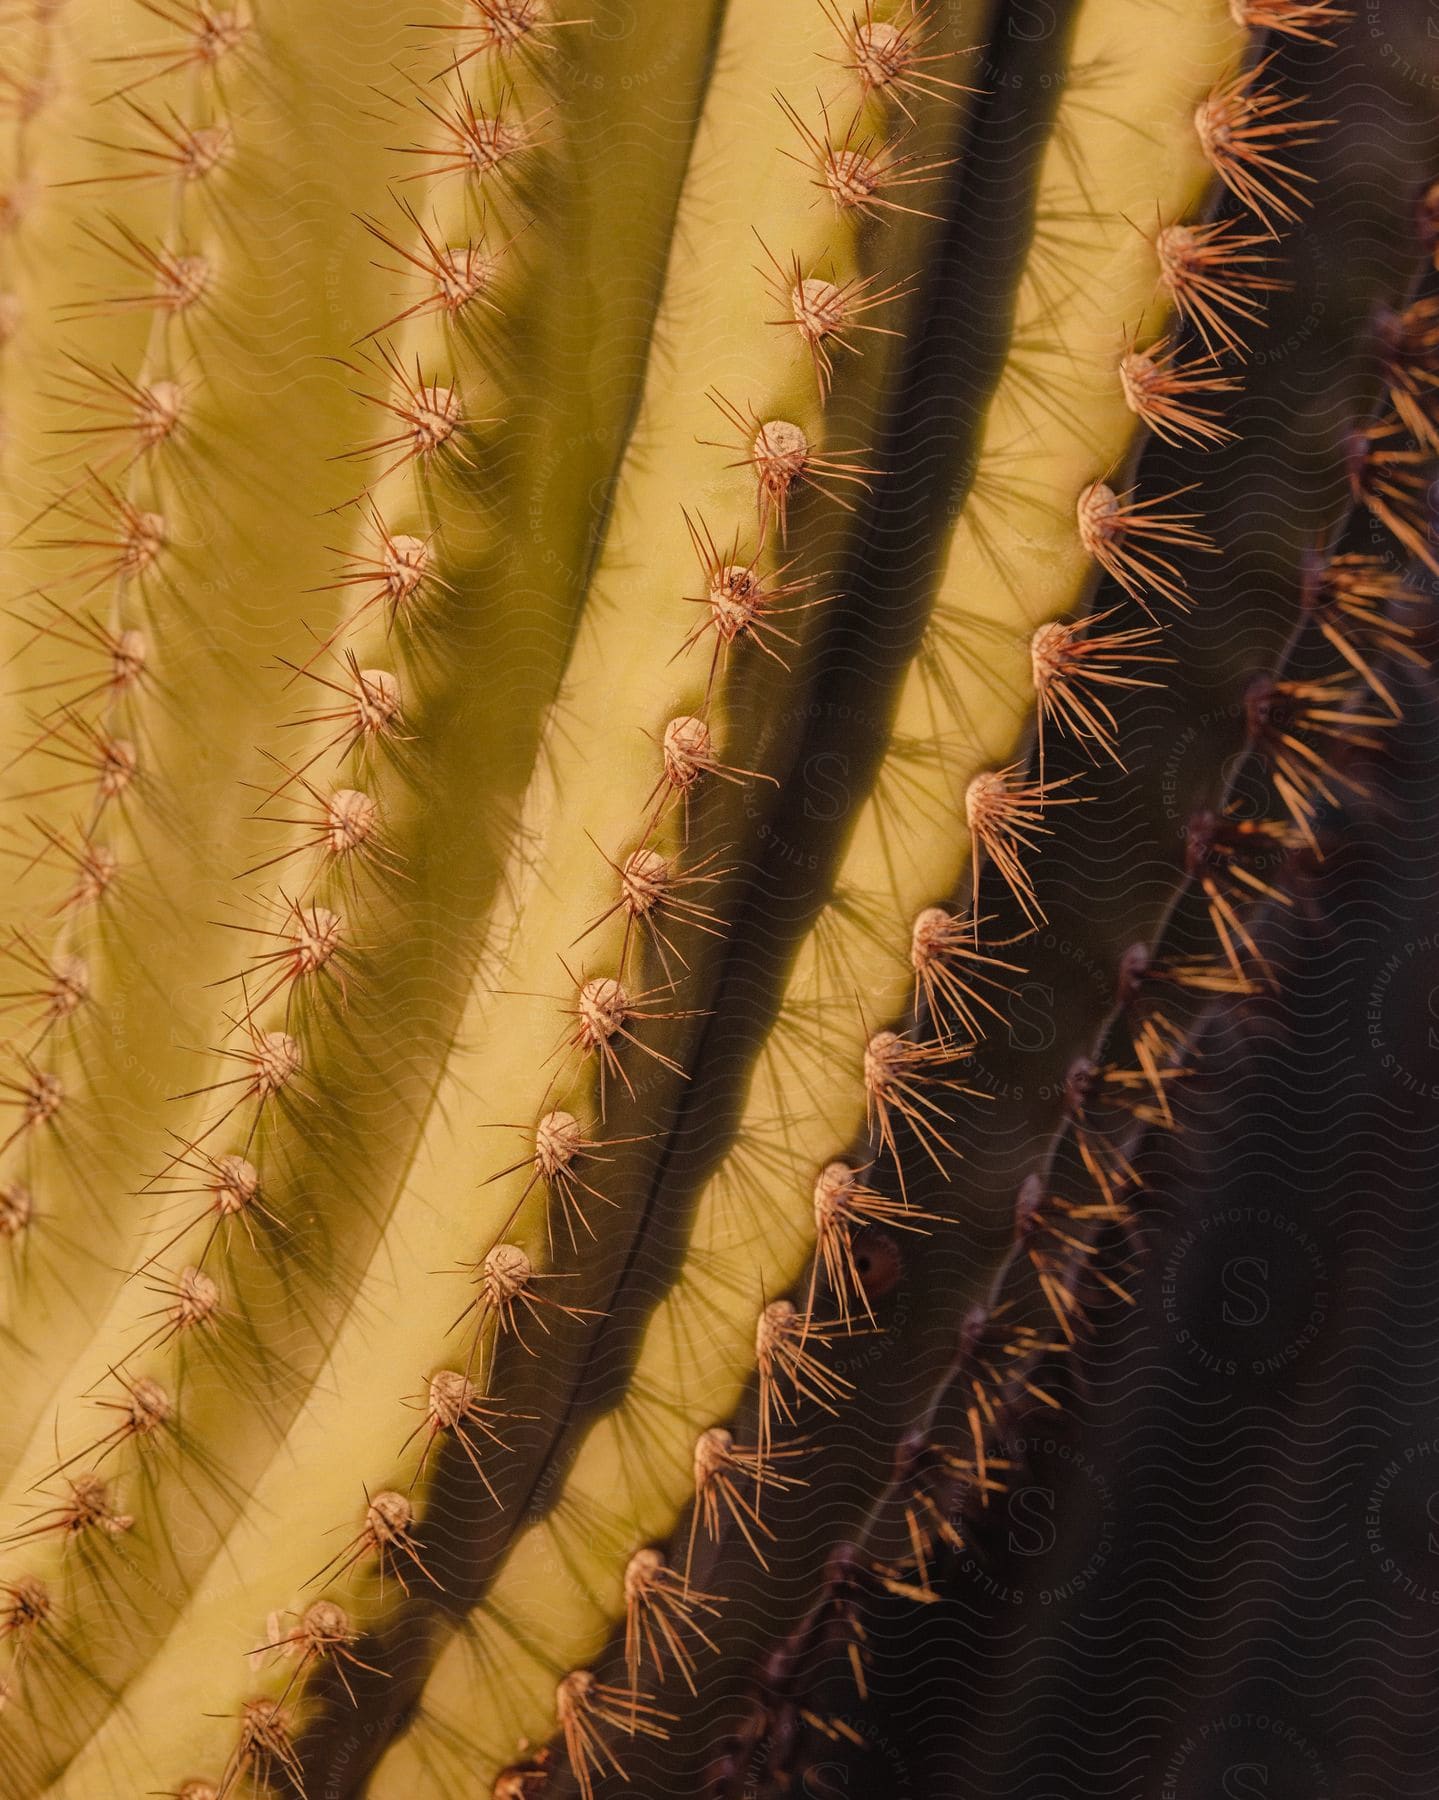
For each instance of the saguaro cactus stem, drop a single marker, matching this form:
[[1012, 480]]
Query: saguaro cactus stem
[[567, 566]]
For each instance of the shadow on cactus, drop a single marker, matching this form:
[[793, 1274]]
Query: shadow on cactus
[[604, 611]]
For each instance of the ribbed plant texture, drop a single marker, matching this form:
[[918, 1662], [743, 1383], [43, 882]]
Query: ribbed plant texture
[[596, 594]]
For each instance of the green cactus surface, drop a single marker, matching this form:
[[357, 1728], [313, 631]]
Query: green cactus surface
[[570, 568]]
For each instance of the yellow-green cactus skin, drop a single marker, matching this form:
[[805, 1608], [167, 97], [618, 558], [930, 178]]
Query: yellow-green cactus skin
[[554, 554]]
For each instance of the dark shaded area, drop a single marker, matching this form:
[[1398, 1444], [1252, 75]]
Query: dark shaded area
[[1218, 1574]]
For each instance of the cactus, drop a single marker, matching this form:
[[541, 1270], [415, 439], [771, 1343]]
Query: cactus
[[570, 573]]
